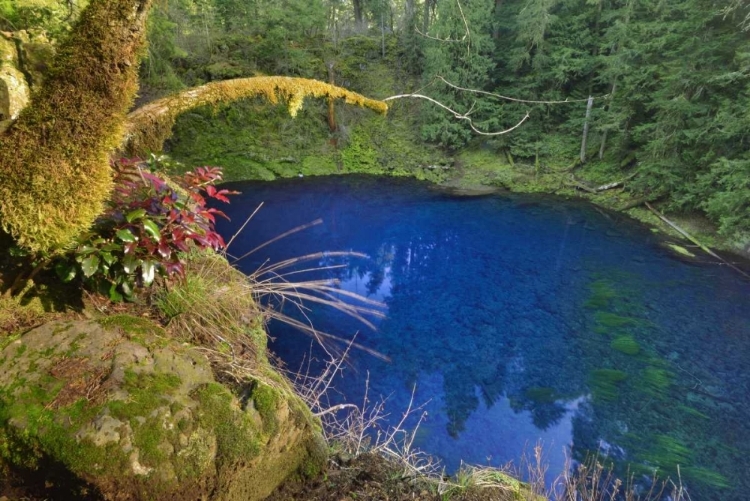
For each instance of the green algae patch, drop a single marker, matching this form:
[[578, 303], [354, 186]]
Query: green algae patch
[[613, 320], [602, 292], [656, 380], [605, 383], [626, 345]]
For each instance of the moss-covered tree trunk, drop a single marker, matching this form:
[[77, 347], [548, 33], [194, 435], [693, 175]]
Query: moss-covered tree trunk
[[54, 160]]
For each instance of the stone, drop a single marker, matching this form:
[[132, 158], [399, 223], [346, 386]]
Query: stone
[[138, 416], [14, 91]]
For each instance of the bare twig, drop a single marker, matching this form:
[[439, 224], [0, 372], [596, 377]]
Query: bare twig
[[460, 116], [467, 33]]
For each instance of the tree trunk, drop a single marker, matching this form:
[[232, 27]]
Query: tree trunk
[[428, 8], [359, 19], [589, 105], [604, 135], [496, 26], [54, 170]]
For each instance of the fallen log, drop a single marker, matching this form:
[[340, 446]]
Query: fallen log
[[695, 241]]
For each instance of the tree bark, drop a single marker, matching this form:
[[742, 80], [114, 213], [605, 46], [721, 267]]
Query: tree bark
[[589, 105], [359, 19], [496, 27]]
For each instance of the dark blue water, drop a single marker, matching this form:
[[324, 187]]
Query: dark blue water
[[524, 319]]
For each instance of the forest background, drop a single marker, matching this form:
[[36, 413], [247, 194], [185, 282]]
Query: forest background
[[669, 78]]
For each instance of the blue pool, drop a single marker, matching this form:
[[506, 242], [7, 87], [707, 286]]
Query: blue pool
[[523, 319]]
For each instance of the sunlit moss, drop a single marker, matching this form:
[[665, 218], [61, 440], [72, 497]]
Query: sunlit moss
[[705, 476], [150, 125], [668, 452]]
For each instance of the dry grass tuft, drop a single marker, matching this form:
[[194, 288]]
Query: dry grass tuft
[[213, 308]]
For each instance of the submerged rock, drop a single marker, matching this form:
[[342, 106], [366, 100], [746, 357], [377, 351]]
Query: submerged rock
[[134, 415]]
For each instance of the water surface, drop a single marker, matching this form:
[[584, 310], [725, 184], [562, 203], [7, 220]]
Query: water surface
[[522, 319]]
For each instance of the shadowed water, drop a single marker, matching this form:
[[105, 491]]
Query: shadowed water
[[523, 319]]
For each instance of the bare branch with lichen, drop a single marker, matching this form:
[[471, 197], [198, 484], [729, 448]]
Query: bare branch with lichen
[[461, 116]]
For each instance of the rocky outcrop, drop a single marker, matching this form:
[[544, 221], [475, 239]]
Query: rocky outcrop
[[14, 90], [134, 415]]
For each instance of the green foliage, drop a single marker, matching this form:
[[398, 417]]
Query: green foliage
[[466, 61], [54, 16], [147, 227]]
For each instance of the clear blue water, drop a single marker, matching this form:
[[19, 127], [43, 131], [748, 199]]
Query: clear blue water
[[523, 319]]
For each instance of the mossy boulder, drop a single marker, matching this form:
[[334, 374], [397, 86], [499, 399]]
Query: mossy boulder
[[131, 414], [14, 91]]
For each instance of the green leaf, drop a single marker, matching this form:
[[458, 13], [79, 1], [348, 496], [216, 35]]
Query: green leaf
[[114, 294], [65, 271], [152, 229], [85, 249], [130, 263], [127, 288], [107, 257], [135, 215], [148, 269], [90, 265], [126, 236]]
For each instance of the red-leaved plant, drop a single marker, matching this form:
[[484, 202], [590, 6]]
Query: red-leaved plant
[[146, 228]]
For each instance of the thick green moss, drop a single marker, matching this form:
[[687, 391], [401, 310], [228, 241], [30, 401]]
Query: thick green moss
[[54, 169], [237, 437], [138, 329], [266, 401], [656, 380]]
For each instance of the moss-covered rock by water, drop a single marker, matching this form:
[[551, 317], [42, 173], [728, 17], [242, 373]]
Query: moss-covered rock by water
[[136, 416]]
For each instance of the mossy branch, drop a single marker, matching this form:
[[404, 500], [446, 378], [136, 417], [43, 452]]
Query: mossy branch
[[148, 126]]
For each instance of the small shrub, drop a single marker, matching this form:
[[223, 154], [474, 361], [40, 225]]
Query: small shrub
[[147, 226]]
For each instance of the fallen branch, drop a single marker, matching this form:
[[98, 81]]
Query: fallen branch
[[616, 184], [575, 183], [640, 201], [695, 241]]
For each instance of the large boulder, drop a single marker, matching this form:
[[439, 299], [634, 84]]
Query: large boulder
[[131, 414]]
